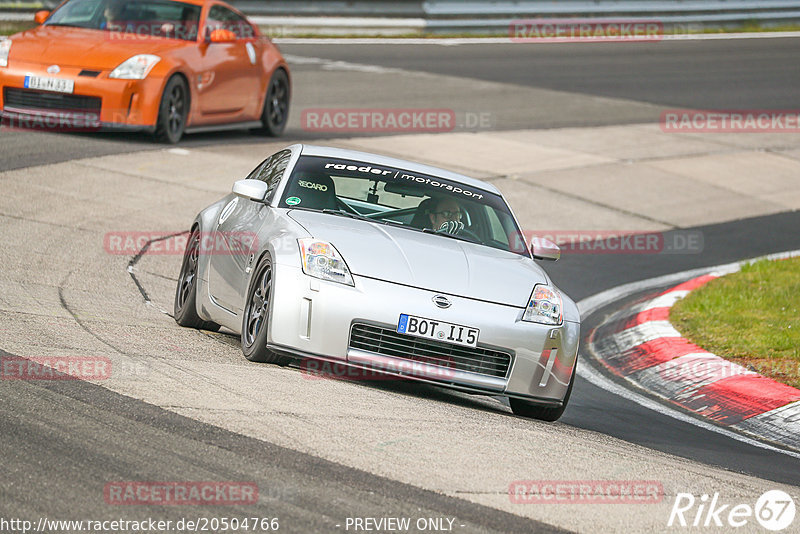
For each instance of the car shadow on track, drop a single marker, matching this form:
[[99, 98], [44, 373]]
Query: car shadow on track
[[420, 390], [389, 383]]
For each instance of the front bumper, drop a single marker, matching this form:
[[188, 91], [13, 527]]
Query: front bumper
[[313, 317], [97, 101], [63, 122]]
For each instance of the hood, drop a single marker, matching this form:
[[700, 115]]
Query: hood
[[78, 47], [426, 261]]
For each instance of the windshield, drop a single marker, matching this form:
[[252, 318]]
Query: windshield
[[131, 18], [397, 197]]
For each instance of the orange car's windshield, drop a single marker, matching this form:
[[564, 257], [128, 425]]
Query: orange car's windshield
[[143, 18]]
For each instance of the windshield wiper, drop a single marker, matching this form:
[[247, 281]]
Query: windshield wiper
[[365, 218], [348, 214], [69, 25]]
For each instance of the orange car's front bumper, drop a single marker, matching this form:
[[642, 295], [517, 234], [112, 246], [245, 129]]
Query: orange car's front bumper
[[96, 102]]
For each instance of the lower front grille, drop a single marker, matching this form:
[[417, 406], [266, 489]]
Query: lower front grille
[[387, 342], [26, 99]]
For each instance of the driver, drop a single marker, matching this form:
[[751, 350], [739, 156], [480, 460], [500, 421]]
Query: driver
[[445, 216], [112, 15]]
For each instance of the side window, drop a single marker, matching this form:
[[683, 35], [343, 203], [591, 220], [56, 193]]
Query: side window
[[271, 171], [497, 231], [222, 17], [504, 232], [279, 163], [257, 173]]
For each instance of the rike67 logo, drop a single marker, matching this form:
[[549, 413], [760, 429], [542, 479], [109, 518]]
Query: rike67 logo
[[774, 510]]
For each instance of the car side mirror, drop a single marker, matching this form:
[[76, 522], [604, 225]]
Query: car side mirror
[[221, 35], [252, 189], [41, 16], [544, 249]]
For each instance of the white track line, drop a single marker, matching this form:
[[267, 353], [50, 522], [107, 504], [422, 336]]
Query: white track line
[[591, 304], [589, 373], [507, 40]]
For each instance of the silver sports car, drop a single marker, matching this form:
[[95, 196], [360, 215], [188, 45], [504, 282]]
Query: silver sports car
[[387, 266]]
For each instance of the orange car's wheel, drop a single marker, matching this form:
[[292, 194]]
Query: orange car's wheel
[[173, 111], [276, 105]]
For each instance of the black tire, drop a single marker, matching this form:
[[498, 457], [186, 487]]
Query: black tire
[[525, 408], [255, 316], [185, 307], [172, 111], [275, 114]]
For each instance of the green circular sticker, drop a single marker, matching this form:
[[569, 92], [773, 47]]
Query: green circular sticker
[[293, 201]]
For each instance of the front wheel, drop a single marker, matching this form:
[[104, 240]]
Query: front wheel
[[255, 319], [525, 408], [173, 111], [276, 104]]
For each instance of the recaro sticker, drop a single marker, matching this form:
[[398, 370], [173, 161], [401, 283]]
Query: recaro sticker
[[312, 185]]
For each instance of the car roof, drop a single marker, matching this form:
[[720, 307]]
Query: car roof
[[366, 157]]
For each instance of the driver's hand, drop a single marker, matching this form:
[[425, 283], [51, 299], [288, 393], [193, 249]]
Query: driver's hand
[[451, 227]]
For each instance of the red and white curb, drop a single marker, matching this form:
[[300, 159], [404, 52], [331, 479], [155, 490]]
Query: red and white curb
[[641, 346]]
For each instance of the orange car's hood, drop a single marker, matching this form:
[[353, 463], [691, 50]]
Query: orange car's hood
[[89, 49]]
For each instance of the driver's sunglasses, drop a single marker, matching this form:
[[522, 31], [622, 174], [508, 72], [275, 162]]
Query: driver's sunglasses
[[448, 214]]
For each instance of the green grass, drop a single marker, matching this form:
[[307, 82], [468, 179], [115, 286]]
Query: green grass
[[20, 5], [754, 27], [9, 28], [751, 317]]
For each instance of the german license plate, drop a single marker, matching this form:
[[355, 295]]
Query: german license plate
[[58, 85], [438, 330]]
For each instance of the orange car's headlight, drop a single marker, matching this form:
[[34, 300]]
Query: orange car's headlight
[[5, 48], [135, 68]]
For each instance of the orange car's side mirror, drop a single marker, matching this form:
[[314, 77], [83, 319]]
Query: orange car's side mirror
[[221, 35], [41, 16]]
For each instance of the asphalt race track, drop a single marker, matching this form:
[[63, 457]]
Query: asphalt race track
[[189, 407]]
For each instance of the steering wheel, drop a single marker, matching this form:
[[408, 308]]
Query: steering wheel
[[449, 227], [470, 234]]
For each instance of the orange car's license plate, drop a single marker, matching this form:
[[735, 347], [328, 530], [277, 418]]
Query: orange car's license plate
[[58, 85]]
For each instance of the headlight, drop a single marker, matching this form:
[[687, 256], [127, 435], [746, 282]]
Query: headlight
[[544, 306], [5, 47], [322, 260], [135, 68]]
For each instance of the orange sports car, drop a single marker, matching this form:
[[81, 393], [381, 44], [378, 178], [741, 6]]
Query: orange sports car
[[164, 66]]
